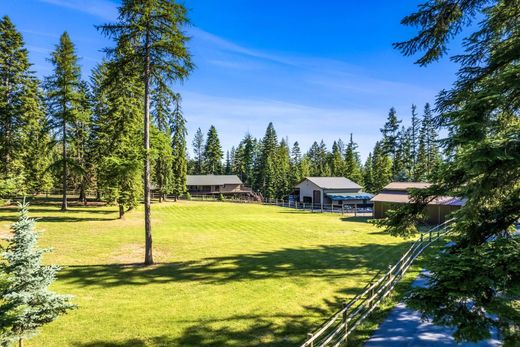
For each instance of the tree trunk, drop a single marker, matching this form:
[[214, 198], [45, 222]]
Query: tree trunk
[[121, 211], [20, 343], [64, 178], [148, 257]]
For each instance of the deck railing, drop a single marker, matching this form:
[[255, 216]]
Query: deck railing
[[335, 331]]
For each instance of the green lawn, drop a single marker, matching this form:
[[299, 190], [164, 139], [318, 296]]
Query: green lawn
[[227, 274]]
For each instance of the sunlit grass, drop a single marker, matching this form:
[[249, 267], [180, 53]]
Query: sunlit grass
[[227, 274]]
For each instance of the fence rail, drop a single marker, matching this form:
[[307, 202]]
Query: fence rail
[[337, 328], [313, 207]]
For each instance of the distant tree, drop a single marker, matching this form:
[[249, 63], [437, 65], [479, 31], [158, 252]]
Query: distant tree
[[266, 176], [318, 157], [428, 154], [390, 131], [228, 167], [213, 153], [368, 174], [180, 164], [198, 149], [337, 164], [245, 157], [353, 170], [414, 138], [296, 164], [27, 303], [282, 170], [65, 96], [118, 124], [381, 168], [155, 30], [403, 162]]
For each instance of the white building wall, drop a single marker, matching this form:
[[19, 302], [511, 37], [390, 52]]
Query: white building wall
[[306, 189]]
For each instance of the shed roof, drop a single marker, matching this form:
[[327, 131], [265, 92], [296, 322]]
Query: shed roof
[[332, 182], [212, 180], [406, 185]]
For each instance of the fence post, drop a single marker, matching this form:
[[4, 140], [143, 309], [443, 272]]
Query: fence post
[[345, 322], [422, 237], [430, 235], [309, 336]]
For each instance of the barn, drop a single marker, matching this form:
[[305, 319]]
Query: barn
[[331, 190], [398, 193]]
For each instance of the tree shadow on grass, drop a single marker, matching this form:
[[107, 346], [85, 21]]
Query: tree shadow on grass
[[66, 216], [325, 261]]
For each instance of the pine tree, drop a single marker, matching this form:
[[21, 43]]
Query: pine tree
[[414, 137], [390, 132], [227, 167], [198, 149], [161, 154], [428, 155], [27, 303], [353, 169], [119, 122], [282, 170], [266, 175], [24, 130], [154, 30], [64, 95], [368, 174], [403, 162], [180, 163], [337, 164], [381, 168], [213, 153], [296, 164], [473, 285]]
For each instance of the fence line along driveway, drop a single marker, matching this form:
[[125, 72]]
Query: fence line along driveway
[[335, 331]]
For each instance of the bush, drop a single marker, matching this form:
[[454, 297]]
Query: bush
[[188, 196], [221, 197]]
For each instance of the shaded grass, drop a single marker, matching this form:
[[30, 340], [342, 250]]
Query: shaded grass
[[228, 274]]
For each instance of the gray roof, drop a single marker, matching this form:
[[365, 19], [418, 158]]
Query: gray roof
[[212, 180], [333, 182]]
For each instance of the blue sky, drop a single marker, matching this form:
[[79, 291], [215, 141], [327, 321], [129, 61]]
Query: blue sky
[[317, 70]]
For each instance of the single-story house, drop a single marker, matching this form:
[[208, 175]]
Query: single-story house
[[216, 184], [331, 190], [397, 193]]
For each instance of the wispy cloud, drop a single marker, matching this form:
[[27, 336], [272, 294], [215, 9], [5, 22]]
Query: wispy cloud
[[104, 9]]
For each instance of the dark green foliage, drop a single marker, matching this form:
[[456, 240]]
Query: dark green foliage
[[337, 164], [26, 302], [213, 153], [198, 148], [479, 276], [179, 151], [66, 97], [390, 133], [24, 131], [266, 177], [353, 163], [244, 159], [381, 168]]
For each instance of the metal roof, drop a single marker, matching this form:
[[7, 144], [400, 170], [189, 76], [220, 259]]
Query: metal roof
[[406, 185], [332, 182], [212, 180], [349, 196]]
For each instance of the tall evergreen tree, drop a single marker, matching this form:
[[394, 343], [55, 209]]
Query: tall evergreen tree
[[266, 177], [118, 124], [414, 137], [180, 162], [282, 170], [337, 164], [296, 164], [198, 149], [428, 154], [368, 174], [64, 95], [403, 162], [474, 285], [353, 169], [27, 303], [245, 158], [390, 132], [154, 30], [213, 153], [381, 168]]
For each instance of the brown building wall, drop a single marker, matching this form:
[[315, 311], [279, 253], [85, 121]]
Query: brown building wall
[[434, 214]]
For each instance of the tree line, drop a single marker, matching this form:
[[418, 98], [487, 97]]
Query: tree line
[[273, 167]]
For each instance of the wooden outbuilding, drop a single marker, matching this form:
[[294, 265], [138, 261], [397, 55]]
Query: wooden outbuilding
[[398, 193]]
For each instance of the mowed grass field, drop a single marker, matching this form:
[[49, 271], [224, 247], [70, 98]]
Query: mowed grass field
[[227, 274]]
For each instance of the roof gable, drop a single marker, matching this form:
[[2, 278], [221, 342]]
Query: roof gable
[[332, 183], [212, 180]]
